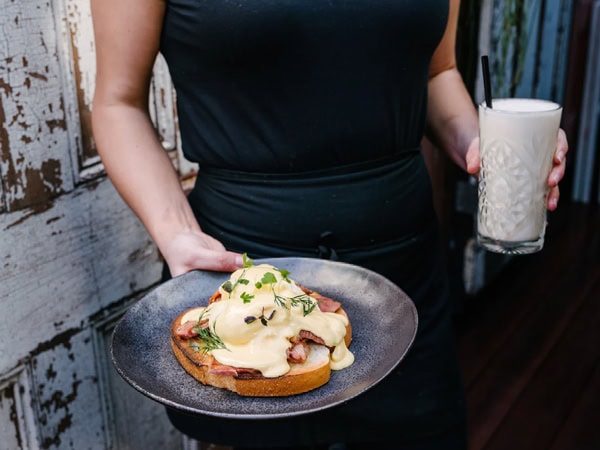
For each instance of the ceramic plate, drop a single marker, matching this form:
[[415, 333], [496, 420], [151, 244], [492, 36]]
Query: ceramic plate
[[384, 323]]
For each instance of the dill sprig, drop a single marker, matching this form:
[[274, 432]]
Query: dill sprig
[[207, 339], [307, 303]]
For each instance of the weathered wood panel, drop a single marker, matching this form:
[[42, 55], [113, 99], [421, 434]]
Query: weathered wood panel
[[62, 265], [527, 42], [71, 252], [17, 424], [34, 143], [69, 415], [164, 115], [80, 69], [131, 417]]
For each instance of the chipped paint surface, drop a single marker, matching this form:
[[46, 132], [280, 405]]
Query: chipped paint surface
[[17, 426], [80, 36], [66, 390], [62, 267], [34, 159], [9, 424], [70, 249]]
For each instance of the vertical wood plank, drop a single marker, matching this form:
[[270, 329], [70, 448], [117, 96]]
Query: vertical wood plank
[[164, 115], [34, 142], [78, 41], [550, 67], [162, 104], [530, 26], [67, 395], [544, 33], [17, 426], [587, 164], [134, 421], [561, 60]]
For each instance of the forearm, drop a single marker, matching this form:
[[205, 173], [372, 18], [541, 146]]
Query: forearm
[[141, 170], [452, 122]]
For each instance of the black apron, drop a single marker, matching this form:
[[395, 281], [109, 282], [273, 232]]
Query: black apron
[[377, 215]]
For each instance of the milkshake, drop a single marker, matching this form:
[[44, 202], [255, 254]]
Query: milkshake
[[517, 144]]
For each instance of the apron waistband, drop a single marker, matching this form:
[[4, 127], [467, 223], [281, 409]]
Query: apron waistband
[[318, 213]]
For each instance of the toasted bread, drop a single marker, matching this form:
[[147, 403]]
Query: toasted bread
[[302, 377]]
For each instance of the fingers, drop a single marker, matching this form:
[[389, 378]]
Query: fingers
[[472, 157], [553, 197], [195, 250], [558, 170], [206, 259], [560, 159], [556, 174], [221, 261], [562, 147]]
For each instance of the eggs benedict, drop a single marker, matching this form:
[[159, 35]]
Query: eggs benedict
[[263, 334]]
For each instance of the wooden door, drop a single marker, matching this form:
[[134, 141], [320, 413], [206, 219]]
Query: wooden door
[[72, 255]]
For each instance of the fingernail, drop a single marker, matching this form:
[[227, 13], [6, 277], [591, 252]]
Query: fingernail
[[553, 203], [560, 155], [239, 261]]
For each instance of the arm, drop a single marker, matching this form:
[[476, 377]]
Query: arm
[[127, 35], [452, 122]]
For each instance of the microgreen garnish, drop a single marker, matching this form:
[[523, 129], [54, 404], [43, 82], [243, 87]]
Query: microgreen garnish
[[229, 287], [246, 298], [284, 274], [247, 261], [263, 319], [268, 278], [207, 339]]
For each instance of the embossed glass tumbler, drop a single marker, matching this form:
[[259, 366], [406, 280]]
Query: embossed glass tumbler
[[517, 144]]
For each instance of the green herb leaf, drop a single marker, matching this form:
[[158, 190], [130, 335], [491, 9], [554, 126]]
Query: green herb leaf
[[247, 261], [243, 281], [284, 274], [258, 285], [268, 278], [246, 297], [227, 286]]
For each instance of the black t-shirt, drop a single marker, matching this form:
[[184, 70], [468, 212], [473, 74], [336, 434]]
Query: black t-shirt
[[294, 85]]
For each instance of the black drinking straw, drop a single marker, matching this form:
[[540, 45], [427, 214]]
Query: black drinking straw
[[485, 66]]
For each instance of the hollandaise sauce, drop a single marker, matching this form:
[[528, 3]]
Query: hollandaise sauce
[[259, 311]]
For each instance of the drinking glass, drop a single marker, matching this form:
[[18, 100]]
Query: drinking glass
[[517, 144]]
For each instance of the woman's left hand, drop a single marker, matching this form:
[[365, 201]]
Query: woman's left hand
[[556, 174], [558, 169]]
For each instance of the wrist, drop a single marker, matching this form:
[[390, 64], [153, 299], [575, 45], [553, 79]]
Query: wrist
[[174, 219]]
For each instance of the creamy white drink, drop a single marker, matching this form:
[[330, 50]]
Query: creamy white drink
[[517, 144]]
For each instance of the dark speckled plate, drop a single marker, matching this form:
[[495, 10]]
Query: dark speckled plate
[[384, 323]]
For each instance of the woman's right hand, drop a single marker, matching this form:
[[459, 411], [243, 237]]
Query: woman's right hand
[[190, 250]]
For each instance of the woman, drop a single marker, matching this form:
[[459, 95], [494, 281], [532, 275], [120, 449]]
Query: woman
[[305, 118]]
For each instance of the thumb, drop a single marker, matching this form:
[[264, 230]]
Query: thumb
[[222, 261]]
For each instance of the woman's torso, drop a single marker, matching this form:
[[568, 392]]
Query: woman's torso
[[296, 85]]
